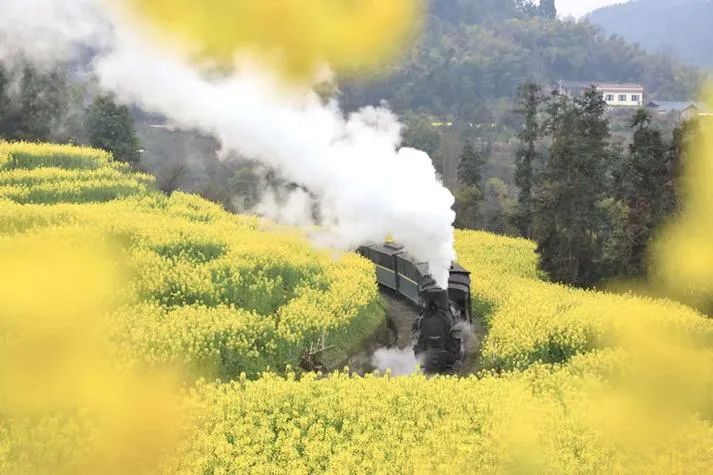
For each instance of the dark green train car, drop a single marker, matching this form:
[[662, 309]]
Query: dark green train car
[[401, 273]]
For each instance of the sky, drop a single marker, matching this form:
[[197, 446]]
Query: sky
[[577, 8]]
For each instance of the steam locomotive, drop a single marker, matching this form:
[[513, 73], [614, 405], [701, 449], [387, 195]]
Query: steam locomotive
[[437, 334]]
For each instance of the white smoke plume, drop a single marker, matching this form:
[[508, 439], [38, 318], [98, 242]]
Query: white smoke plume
[[368, 188], [295, 209], [400, 362], [52, 30]]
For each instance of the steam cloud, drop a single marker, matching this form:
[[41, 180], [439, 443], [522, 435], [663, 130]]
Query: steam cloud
[[367, 187], [401, 362]]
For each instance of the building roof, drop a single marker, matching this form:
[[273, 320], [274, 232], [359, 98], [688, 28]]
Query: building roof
[[677, 106], [600, 85]]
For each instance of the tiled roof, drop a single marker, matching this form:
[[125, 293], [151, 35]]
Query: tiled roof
[[599, 85], [677, 106]]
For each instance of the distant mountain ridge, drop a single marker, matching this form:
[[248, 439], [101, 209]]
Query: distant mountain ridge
[[680, 27]]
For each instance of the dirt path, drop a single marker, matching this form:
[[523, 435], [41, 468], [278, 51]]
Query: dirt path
[[402, 316], [394, 333]]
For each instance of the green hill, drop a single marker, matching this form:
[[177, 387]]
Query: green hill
[[473, 54], [679, 27]]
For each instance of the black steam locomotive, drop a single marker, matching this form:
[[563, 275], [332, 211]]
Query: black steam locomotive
[[437, 334]]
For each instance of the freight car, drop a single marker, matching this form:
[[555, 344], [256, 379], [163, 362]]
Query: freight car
[[437, 336]]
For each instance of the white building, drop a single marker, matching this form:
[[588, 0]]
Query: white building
[[615, 94]]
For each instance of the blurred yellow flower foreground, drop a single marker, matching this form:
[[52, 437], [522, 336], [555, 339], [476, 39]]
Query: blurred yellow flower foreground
[[293, 38], [111, 294], [684, 253]]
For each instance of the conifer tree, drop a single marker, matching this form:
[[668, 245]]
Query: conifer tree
[[470, 165], [643, 187], [469, 194], [35, 107], [529, 100], [547, 9], [683, 135], [567, 211]]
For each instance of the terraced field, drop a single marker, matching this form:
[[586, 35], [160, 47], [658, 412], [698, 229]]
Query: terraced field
[[139, 331]]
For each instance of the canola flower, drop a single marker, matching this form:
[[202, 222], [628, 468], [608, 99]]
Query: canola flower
[[65, 406], [211, 290], [532, 321], [562, 421], [291, 37], [683, 254], [103, 293], [579, 382]]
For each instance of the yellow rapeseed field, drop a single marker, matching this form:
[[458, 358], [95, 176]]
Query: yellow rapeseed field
[[111, 306], [203, 287]]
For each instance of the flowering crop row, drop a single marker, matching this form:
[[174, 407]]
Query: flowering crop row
[[219, 292], [533, 321], [23, 155], [630, 391], [600, 383], [538, 421], [46, 174]]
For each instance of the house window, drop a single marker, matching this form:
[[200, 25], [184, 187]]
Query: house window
[[609, 98], [634, 98], [622, 97]]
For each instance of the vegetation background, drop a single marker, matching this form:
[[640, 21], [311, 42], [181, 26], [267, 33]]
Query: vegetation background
[[474, 93]]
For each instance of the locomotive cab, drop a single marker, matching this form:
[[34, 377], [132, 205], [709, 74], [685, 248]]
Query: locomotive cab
[[459, 291]]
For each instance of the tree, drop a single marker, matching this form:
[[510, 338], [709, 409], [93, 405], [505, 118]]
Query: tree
[[684, 135], [644, 188], [246, 184], [497, 207], [568, 213], [470, 165], [5, 105], [466, 207], [421, 135], [547, 9], [529, 100], [169, 178], [71, 127], [34, 109], [42, 101], [111, 127], [527, 7]]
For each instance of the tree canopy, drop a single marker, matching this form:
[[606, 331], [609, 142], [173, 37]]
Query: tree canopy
[[473, 53], [681, 27]]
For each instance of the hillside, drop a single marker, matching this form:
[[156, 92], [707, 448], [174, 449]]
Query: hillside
[[472, 55], [679, 27], [118, 281]]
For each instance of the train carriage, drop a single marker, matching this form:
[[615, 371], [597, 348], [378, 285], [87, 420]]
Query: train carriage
[[384, 259]]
